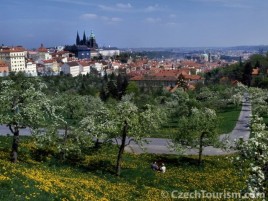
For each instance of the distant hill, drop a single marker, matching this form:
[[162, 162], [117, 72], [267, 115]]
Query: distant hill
[[190, 49]]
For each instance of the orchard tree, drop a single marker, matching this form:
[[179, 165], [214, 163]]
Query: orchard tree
[[123, 122], [259, 101], [23, 104], [98, 123], [178, 103], [134, 123], [74, 107], [198, 129], [75, 138], [253, 156], [84, 110]]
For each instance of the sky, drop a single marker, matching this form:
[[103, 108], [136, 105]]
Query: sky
[[135, 23]]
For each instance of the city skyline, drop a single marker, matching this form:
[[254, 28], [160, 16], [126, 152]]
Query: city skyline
[[133, 24]]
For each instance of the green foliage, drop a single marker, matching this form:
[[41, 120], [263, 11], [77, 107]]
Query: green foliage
[[253, 156], [247, 74], [98, 122], [141, 122], [70, 146], [259, 101], [83, 84], [132, 88], [242, 72], [123, 120], [73, 106], [113, 87], [24, 104], [198, 129], [178, 103]]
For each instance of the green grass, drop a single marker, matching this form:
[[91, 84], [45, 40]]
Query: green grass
[[228, 119], [94, 178]]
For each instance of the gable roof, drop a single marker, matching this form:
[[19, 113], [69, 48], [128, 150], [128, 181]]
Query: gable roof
[[73, 63]]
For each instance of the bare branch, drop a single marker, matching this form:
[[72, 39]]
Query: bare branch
[[10, 128], [131, 140], [116, 142]]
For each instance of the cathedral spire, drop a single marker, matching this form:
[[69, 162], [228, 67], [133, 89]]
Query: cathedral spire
[[84, 38], [77, 39]]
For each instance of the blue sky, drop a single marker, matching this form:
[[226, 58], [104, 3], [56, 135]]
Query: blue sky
[[135, 23]]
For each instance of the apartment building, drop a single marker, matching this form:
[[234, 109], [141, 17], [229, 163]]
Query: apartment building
[[14, 57]]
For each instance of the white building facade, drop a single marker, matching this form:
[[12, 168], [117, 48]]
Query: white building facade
[[73, 68], [14, 57], [31, 69]]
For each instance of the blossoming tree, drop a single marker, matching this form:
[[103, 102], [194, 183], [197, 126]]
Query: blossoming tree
[[198, 129], [123, 122], [253, 154], [23, 104]]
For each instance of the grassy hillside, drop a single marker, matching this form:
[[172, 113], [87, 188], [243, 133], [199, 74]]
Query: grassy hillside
[[94, 179], [228, 119]]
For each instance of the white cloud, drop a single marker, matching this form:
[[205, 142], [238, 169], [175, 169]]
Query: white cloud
[[103, 7], [229, 3], [118, 7], [89, 16], [109, 20], [82, 3], [124, 6], [152, 8]]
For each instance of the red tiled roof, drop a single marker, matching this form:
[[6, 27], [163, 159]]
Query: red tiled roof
[[188, 63], [82, 63], [73, 63], [192, 77], [137, 78], [12, 49], [49, 61], [165, 73], [42, 49]]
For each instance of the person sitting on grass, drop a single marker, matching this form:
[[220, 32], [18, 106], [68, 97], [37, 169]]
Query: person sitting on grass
[[163, 168], [154, 166]]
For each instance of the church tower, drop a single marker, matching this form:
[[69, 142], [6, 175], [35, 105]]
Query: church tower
[[77, 39], [84, 41], [92, 41], [89, 42]]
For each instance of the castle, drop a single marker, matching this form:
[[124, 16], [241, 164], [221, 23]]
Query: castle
[[88, 41]]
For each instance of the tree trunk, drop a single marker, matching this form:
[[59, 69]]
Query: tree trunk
[[64, 142], [121, 149], [200, 148], [15, 143], [97, 143]]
